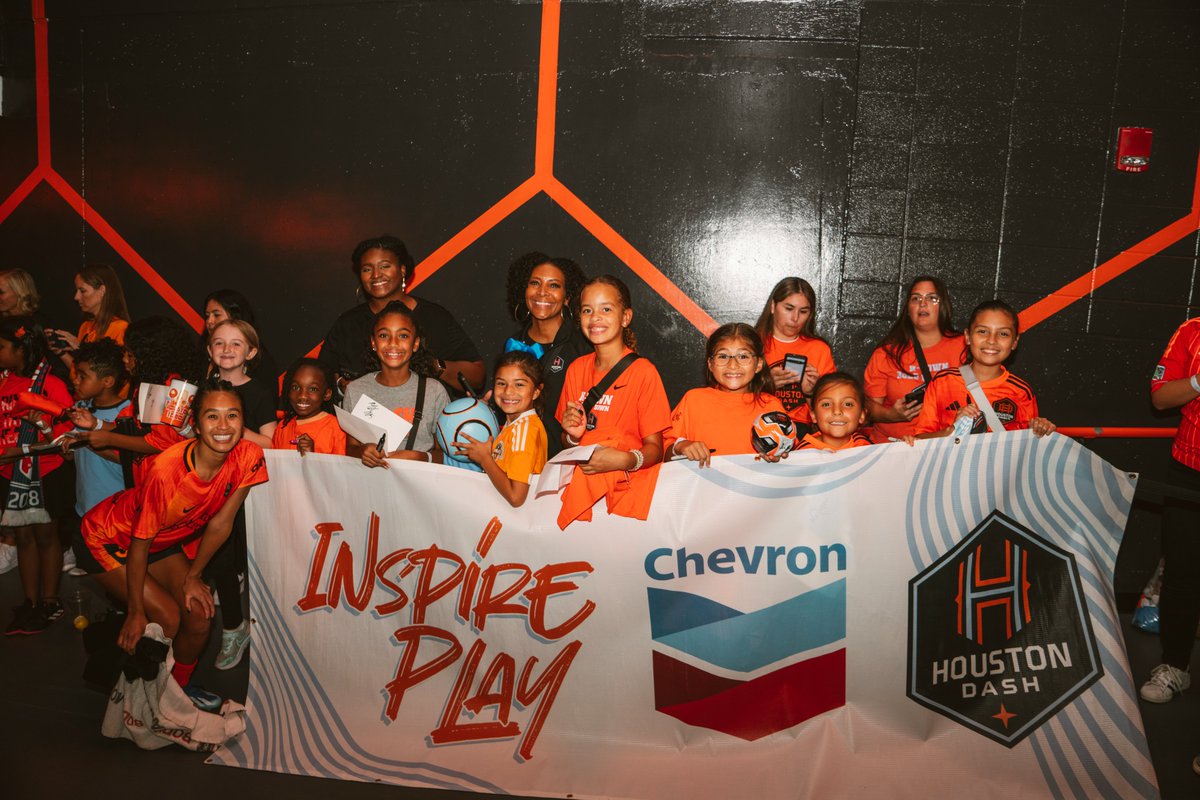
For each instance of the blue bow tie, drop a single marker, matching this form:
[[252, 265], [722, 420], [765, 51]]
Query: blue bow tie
[[537, 349]]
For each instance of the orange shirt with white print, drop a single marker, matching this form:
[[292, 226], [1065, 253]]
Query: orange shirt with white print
[[820, 359], [722, 420], [520, 449], [634, 408], [1011, 398], [882, 378]]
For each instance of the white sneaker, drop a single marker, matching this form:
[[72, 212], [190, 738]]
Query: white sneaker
[[8, 558], [1165, 682], [233, 646], [68, 560]]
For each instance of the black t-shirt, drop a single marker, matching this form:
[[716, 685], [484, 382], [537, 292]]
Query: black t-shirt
[[258, 402], [347, 347]]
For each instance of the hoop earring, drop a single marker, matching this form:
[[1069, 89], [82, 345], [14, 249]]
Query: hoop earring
[[566, 312], [517, 313]]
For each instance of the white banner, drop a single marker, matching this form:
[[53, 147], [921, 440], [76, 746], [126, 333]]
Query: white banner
[[891, 621]]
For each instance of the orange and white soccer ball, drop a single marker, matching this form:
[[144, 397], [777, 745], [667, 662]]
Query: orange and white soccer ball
[[773, 434]]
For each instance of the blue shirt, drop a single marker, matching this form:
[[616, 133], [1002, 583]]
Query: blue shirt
[[97, 478]]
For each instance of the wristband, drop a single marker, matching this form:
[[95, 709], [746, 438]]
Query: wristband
[[429, 456], [99, 426], [639, 458], [571, 440], [1195, 384], [25, 449]]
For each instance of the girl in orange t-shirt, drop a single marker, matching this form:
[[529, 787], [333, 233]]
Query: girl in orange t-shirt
[[718, 418], [991, 337], [839, 411], [627, 423], [893, 371], [788, 326], [310, 426]]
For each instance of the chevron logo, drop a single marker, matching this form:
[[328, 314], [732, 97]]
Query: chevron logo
[[764, 671]]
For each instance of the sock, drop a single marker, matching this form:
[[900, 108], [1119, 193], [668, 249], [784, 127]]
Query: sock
[[182, 673]]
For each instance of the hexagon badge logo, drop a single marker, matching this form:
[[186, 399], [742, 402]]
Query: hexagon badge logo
[[999, 638]]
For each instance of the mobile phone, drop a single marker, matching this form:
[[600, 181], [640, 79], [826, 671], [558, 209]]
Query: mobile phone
[[917, 395], [793, 362]]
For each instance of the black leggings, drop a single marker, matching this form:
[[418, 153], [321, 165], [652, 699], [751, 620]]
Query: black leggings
[[223, 572], [1179, 601]]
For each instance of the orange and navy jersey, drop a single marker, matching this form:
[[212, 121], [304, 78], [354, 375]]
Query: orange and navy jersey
[[885, 381], [323, 428], [520, 449], [813, 441], [172, 505], [1181, 360], [634, 407], [1012, 399], [11, 412], [722, 420], [820, 359]]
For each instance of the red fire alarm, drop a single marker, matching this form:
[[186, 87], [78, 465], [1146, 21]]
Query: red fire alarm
[[1133, 149]]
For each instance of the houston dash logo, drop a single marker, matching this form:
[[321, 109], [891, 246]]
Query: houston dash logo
[[999, 636], [749, 673]]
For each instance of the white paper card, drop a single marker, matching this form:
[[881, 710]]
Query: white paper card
[[152, 398], [384, 420], [558, 470]]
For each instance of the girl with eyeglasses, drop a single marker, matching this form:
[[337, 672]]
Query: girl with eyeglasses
[[717, 419], [894, 380]]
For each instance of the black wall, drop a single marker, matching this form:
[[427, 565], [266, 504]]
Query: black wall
[[855, 143]]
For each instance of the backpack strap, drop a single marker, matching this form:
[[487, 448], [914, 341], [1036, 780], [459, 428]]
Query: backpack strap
[[596, 392], [418, 412], [985, 405]]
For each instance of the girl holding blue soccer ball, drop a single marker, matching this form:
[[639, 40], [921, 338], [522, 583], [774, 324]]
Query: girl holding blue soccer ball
[[519, 452]]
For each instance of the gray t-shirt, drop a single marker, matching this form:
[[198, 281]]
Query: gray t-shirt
[[402, 399]]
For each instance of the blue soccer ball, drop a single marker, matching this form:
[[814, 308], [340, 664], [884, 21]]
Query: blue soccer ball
[[467, 415]]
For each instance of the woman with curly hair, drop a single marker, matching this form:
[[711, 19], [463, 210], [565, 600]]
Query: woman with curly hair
[[543, 296]]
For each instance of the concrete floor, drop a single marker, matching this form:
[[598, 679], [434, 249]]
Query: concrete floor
[[51, 747]]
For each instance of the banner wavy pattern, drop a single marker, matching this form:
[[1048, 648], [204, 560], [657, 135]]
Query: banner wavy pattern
[[306, 735], [806, 474], [1072, 498]]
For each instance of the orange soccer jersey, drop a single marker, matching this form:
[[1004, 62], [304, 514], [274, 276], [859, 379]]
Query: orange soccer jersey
[[1012, 399], [813, 441], [634, 407], [171, 506], [323, 428], [820, 359], [722, 420], [520, 449], [883, 379], [1180, 360]]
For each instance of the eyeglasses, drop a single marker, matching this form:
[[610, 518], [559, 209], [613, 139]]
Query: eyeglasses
[[724, 358], [932, 299]]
